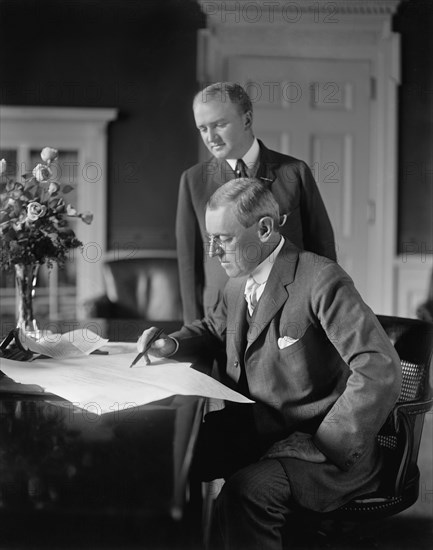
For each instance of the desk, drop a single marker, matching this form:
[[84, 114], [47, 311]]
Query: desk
[[59, 463], [116, 330]]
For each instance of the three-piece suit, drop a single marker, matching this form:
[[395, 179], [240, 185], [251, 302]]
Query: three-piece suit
[[316, 360]]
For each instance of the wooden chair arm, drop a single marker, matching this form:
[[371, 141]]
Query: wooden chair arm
[[408, 429]]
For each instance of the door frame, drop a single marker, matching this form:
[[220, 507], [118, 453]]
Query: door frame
[[339, 30]]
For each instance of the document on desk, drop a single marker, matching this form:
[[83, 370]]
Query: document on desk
[[103, 383], [60, 346]]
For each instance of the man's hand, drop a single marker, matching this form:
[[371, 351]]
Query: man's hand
[[163, 347], [297, 445]]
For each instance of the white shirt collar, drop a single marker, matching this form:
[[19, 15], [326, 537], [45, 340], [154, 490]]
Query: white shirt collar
[[250, 158], [262, 271]]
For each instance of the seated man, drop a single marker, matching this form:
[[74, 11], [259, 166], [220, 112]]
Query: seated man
[[304, 346]]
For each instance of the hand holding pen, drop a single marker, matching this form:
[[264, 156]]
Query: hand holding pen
[[155, 341]]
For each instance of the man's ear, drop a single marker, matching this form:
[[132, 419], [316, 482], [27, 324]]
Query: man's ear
[[266, 227], [248, 122]]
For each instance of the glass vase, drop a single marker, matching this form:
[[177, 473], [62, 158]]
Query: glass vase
[[25, 283]]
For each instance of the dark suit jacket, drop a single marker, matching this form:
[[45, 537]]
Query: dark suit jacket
[[339, 379], [201, 278]]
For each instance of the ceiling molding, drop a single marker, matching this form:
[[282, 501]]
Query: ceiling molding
[[265, 11]]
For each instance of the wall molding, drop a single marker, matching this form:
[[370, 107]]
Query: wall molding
[[230, 12], [134, 254]]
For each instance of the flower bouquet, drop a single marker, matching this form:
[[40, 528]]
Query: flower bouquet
[[34, 228]]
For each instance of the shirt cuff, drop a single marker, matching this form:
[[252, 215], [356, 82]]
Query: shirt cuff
[[177, 346]]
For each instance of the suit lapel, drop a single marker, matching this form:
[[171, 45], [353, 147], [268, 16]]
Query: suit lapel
[[238, 320], [276, 292], [219, 172], [267, 165]]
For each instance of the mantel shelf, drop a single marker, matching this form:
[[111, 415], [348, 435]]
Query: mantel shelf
[[73, 114]]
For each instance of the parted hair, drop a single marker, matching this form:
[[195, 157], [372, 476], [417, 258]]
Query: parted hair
[[220, 91], [251, 199]]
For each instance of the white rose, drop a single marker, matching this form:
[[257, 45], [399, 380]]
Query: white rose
[[3, 165], [48, 154], [70, 210], [53, 187], [42, 173], [35, 211]]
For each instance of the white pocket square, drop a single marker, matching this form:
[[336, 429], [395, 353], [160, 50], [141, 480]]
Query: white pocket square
[[286, 341]]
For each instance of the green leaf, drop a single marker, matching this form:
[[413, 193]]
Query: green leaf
[[67, 189], [18, 207], [34, 192]]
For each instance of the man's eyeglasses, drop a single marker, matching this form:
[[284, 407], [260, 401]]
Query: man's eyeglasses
[[219, 242]]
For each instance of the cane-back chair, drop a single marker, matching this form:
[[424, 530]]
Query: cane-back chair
[[400, 437]]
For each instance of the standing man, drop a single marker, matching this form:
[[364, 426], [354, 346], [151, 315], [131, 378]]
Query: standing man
[[304, 346], [223, 114]]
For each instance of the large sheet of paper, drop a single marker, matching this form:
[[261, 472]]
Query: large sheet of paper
[[105, 383]]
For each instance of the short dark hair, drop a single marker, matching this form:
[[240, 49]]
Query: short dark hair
[[251, 199], [223, 90]]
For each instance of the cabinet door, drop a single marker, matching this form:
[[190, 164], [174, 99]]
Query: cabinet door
[[56, 295], [80, 136], [7, 278]]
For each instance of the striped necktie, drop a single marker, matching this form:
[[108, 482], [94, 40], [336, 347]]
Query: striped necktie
[[241, 169]]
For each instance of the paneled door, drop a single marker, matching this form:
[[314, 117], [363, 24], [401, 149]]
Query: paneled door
[[318, 111]]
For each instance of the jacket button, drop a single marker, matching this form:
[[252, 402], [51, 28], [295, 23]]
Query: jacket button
[[236, 364]]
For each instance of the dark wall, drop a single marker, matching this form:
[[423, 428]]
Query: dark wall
[[414, 22], [139, 56], [135, 55]]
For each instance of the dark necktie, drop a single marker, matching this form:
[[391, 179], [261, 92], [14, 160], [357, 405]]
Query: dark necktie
[[241, 169]]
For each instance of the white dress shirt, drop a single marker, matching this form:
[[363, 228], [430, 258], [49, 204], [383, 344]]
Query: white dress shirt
[[251, 159], [261, 273]]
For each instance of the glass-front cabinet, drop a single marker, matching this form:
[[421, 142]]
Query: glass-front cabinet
[[80, 137]]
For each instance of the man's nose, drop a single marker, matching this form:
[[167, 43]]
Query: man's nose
[[214, 249], [211, 134]]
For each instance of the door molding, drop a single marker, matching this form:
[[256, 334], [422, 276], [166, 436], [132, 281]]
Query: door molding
[[338, 30]]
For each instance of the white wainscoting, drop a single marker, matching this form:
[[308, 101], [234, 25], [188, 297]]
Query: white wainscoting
[[412, 278]]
